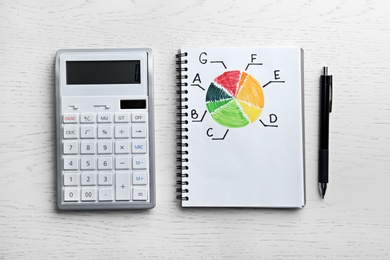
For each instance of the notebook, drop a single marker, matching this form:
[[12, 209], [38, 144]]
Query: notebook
[[241, 141]]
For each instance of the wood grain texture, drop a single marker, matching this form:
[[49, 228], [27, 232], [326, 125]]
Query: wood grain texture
[[351, 37]]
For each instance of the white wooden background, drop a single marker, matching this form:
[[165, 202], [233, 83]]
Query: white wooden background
[[351, 37]]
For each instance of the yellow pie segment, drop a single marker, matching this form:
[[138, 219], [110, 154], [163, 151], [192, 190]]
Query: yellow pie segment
[[250, 111]]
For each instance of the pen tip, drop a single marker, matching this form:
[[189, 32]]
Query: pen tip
[[323, 189]]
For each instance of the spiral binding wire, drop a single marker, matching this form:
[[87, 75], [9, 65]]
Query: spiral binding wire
[[182, 152]]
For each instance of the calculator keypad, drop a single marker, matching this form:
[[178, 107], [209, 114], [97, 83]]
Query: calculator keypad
[[105, 157]]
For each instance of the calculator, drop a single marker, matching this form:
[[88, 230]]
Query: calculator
[[105, 129]]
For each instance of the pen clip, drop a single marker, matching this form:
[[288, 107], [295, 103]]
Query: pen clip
[[330, 97]]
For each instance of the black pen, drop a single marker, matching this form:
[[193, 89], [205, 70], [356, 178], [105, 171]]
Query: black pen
[[325, 109]]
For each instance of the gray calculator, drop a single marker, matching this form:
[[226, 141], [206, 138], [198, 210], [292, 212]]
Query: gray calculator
[[105, 129]]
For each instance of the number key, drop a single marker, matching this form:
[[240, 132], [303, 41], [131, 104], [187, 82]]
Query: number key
[[105, 178], [71, 179], [71, 163], [88, 163], [70, 147], [88, 194], [88, 178], [105, 163], [71, 194], [104, 147], [88, 147]]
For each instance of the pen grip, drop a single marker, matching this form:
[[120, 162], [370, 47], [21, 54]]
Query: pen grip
[[323, 166]]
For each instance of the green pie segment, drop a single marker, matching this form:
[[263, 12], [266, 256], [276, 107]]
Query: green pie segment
[[227, 113], [212, 106]]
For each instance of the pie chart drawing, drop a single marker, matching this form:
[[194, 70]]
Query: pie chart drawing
[[235, 99]]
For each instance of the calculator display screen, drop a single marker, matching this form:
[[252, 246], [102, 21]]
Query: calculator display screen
[[103, 72]]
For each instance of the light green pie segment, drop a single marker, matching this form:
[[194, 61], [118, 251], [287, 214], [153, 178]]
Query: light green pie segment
[[227, 113]]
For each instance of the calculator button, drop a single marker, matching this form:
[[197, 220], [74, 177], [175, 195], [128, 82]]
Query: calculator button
[[87, 118], [105, 163], [138, 131], [70, 119], [70, 132], [71, 147], [122, 131], [140, 163], [138, 118], [122, 163], [122, 147], [88, 163], [104, 118], [122, 188], [138, 146], [88, 147], [105, 178], [88, 178], [71, 179], [87, 131], [140, 193], [88, 194], [71, 163], [71, 194], [105, 132], [105, 194], [121, 118], [140, 178], [105, 147]]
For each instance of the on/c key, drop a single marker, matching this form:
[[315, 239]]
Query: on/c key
[[70, 118]]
